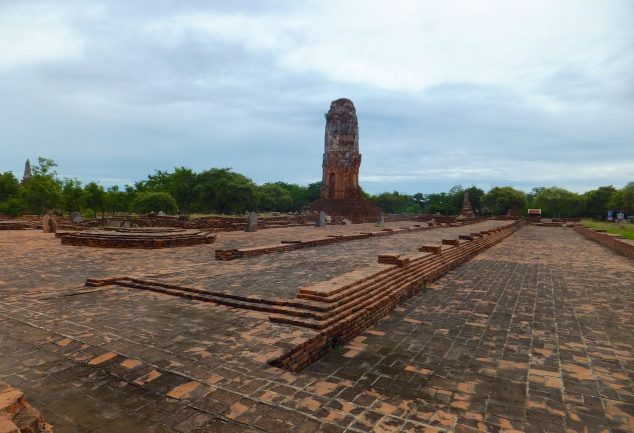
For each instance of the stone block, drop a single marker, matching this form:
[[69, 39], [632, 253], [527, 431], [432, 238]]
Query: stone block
[[434, 249]]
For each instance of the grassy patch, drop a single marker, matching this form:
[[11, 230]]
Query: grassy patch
[[338, 350], [625, 230]]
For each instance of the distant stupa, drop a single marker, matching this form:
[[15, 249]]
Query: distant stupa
[[27, 171], [467, 211]]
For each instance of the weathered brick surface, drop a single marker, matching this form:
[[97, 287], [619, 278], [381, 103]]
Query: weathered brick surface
[[236, 253], [137, 238], [535, 334], [17, 415]]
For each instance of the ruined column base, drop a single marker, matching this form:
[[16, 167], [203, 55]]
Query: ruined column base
[[357, 210]]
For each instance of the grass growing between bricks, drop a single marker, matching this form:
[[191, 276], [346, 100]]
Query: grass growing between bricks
[[625, 230]]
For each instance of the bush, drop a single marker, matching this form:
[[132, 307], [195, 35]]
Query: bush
[[146, 202], [13, 207]]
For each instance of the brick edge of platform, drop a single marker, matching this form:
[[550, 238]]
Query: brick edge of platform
[[17, 415], [238, 253], [346, 329], [613, 242]]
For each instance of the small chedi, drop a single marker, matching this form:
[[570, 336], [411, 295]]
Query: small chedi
[[27, 171], [466, 213], [340, 191]]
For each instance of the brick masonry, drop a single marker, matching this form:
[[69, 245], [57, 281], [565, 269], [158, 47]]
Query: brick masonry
[[533, 335], [237, 253], [374, 296], [615, 242], [137, 239], [17, 415]]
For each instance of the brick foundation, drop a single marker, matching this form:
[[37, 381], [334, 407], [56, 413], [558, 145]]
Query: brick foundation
[[17, 415], [137, 238], [358, 305], [237, 253], [615, 242]]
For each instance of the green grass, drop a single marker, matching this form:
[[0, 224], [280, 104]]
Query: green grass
[[625, 230]]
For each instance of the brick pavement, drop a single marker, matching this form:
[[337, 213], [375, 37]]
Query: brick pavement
[[534, 335]]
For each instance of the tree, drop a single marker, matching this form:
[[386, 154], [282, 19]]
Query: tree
[[224, 191], [273, 197], [146, 202], [9, 186], [44, 167], [455, 199], [438, 203], [11, 202], [95, 196], [475, 198], [597, 201], [73, 198], [117, 200], [502, 198], [314, 191], [394, 202], [160, 181], [42, 191], [181, 187], [421, 200], [628, 198], [557, 202], [13, 207], [530, 197]]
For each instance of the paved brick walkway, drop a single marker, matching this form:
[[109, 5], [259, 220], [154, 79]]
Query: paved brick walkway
[[535, 334], [272, 275]]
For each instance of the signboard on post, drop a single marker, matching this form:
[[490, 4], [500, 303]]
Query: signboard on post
[[610, 215]]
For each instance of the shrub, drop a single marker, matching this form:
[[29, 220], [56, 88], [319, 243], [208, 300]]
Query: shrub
[[146, 202]]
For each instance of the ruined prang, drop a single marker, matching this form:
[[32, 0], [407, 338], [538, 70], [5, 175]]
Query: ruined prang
[[27, 171], [342, 159], [340, 191], [467, 211]]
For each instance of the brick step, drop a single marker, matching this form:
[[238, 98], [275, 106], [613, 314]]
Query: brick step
[[396, 289], [144, 236], [308, 305], [352, 289], [237, 253], [332, 295], [112, 239], [205, 297], [385, 287]]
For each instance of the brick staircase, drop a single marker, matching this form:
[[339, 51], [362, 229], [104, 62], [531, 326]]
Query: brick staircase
[[357, 305]]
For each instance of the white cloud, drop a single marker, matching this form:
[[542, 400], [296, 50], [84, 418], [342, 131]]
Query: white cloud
[[413, 45], [32, 33]]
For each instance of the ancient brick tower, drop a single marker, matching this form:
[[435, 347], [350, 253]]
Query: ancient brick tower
[[340, 192], [342, 159], [27, 171], [467, 211]]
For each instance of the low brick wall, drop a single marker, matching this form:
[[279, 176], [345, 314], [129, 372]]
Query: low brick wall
[[237, 253], [17, 415], [358, 306], [617, 243], [17, 225], [109, 239]]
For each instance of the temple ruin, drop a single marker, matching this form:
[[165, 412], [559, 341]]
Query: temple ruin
[[340, 191]]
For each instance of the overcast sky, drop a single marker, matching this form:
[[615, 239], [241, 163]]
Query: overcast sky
[[522, 93]]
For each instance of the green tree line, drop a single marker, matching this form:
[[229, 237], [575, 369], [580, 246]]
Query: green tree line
[[221, 190]]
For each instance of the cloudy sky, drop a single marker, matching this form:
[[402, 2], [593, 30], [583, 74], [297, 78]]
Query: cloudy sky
[[523, 93]]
